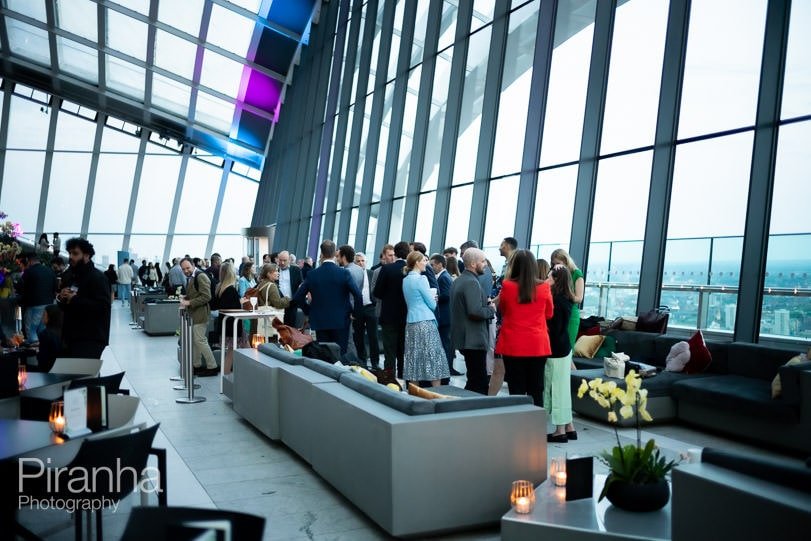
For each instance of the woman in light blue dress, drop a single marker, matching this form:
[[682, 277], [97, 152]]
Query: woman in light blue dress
[[425, 359]]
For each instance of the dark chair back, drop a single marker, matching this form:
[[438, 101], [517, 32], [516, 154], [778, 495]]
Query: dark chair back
[[167, 523], [111, 383]]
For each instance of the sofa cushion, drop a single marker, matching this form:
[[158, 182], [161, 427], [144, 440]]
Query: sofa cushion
[[609, 346], [639, 346], [755, 360], [718, 350], [587, 346], [678, 357], [585, 364], [748, 397], [402, 402], [278, 353], [322, 367], [700, 356], [790, 381], [481, 402]]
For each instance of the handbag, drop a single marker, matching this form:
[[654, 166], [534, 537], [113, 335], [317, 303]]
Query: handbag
[[655, 320], [250, 292], [614, 366], [290, 336]]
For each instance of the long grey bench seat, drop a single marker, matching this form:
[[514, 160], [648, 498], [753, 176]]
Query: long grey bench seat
[[414, 466]]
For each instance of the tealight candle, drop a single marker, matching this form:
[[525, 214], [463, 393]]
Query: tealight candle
[[522, 505], [522, 496], [22, 375], [560, 479]]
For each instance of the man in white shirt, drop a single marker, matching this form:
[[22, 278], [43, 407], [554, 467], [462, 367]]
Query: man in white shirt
[[368, 322], [289, 281], [124, 274]]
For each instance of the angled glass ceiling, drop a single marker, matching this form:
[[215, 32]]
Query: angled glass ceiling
[[206, 72]]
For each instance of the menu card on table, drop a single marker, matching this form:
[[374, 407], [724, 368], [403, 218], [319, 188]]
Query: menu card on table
[[76, 412]]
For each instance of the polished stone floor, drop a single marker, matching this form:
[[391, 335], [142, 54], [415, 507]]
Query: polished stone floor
[[217, 460]]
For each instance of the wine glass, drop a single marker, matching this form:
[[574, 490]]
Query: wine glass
[[254, 302]]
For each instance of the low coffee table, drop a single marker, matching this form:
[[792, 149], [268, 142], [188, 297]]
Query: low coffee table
[[555, 518]]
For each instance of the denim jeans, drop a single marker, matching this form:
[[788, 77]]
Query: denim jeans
[[32, 322], [123, 292]]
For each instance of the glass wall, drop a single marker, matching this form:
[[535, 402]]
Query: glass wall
[[131, 184], [595, 156]]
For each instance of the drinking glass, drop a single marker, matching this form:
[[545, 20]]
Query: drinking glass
[[254, 302]]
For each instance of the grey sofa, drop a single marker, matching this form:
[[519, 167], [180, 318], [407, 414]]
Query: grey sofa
[[750, 498], [733, 396], [414, 466]]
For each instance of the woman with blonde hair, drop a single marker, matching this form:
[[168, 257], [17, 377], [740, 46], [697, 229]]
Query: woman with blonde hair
[[562, 257], [226, 297], [543, 269], [425, 359]]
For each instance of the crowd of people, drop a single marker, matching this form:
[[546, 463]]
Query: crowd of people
[[517, 327]]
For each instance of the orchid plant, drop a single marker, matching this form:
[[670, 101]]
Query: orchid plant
[[630, 463]]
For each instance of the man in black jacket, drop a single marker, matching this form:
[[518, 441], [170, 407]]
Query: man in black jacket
[[393, 310], [85, 300], [38, 286], [289, 281]]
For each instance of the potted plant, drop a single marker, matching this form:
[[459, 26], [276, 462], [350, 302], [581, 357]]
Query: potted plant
[[637, 475], [9, 251]]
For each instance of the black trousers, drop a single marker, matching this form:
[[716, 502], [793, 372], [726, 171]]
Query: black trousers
[[366, 327], [393, 346], [524, 376], [475, 361], [339, 336]]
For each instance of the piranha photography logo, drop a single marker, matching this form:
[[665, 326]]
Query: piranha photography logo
[[80, 488]]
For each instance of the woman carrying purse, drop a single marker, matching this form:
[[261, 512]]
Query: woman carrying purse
[[269, 298]]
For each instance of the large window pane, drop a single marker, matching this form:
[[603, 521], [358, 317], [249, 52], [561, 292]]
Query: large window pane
[[170, 95], [705, 230], [797, 83], [174, 54], [554, 203], [447, 30], [407, 138], [514, 97], [77, 60], [22, 182], [568, 81], [78, 17], [436, 122], [221, 73], [470, 117], [184, 15], [33, 9], [28, 41], [396, 226], [786, 302], [199, 197], [394, 52], [482, 13], [106, 247], [125, 77], [420, 28], [425, 220], [111, 196], [632, 98], [461, 202], [504, 197], [237, 205], [229, 30], [214, 112], [383, 143], [194, 245], [69, 172], [228, 246], [618, 227], [375, 49], [126, 34], [156, 193], [74, 133], [27, 124], [722, 68], [149, 247]]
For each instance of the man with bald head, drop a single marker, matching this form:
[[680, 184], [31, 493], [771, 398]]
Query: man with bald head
[[289, 282], [471, 312]]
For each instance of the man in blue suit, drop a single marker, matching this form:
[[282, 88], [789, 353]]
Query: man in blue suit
[[443, 308], [329, 287]]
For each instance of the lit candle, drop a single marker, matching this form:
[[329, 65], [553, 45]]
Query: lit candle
[[560, 479], [59, 424], [522, 505]]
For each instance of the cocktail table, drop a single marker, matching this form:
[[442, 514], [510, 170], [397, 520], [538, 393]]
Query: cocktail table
[[555, 518]]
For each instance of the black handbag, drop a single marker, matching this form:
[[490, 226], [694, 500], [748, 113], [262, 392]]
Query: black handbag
[[654, 321]]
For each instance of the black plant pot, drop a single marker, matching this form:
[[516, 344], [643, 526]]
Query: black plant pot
[[640, 498]]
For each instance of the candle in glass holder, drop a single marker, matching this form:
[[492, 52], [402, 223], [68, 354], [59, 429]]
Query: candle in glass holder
[[557, 471], [560, 479], [22, 375], [56, 419], [522, 496]]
